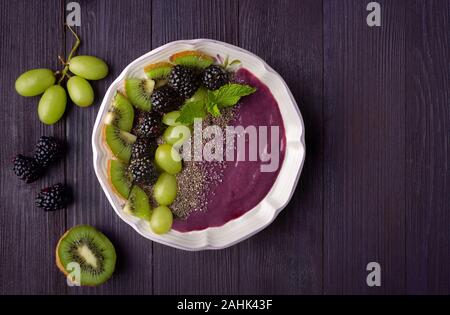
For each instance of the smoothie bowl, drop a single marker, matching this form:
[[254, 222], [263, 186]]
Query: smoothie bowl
[[198, 144]]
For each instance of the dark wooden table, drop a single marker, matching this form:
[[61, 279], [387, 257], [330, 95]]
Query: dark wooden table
[[375, 186]]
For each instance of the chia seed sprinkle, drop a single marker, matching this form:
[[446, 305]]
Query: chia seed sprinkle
[[198, 179]]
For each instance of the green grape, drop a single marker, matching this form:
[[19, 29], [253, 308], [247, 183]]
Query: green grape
[[165, 189], [34, 82], [161, 221], [52, 104], [168, 159], [80, 91], [176, 135], [88, 67], [169, 119]]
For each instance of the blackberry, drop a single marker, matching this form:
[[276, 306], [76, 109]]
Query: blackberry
[[184, 80], [27, 168], [166, 99], [52, 198], [142, 147], [149, 126], [47, 151], [142, 170], [214, 77]]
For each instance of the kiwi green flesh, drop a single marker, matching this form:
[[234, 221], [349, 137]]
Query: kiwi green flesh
[[92, 250], [159, 73], [120, 142], [122, 113], [138, 93], [138, 204], [193, 61], [119, 178]]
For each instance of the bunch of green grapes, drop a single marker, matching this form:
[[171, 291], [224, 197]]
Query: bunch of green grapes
[[52, 104]]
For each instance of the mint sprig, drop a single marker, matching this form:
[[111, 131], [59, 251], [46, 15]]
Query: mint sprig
[[213, 109], [229, 94], [226, 96], [211, 104], [227, 64], [190, 111]]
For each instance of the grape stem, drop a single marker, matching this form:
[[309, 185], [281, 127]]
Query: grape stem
[[72, 52], [62, 60]]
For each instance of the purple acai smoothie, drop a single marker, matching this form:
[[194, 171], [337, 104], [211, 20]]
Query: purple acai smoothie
[[242, 185]]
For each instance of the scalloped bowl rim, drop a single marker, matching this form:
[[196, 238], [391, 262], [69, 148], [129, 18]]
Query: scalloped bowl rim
[[269, 207]]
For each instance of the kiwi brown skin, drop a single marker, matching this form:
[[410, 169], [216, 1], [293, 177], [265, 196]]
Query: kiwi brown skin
[[104, 140], [124, 92], [58, 262], [157, 65]]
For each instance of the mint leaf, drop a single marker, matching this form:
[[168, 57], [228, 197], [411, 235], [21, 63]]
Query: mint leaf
[[213, 109], [190, 111], [225, 63], [211, 104], [235, 62], [229, 94]]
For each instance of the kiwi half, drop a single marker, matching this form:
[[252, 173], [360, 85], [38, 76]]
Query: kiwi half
[[192, 58], [121, 113], [117, 174], [158, 71], [139, 92], [119, 142], [91, 250], [138, 204]]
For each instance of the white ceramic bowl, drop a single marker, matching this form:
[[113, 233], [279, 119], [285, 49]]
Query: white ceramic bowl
[[265, 212]]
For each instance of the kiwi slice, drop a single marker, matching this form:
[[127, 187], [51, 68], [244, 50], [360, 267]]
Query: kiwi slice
[[119, 142], [158, 71], [117, 173], [91, 250], [121, 113], [138, 204], [139, 92], [192, 58]]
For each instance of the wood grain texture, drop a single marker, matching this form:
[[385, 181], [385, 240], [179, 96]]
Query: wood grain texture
[[286, 258], [364, 111], [27, 234], [374, 187], [110, 31], [175, 271], [428, 147]]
